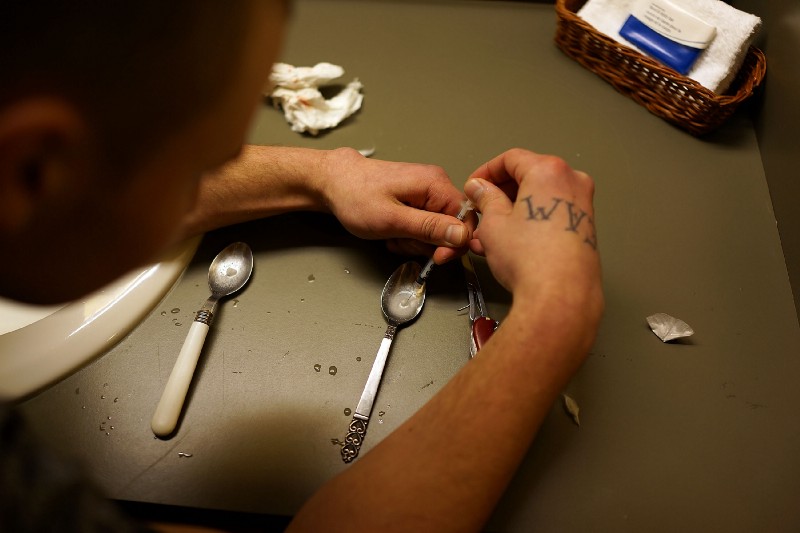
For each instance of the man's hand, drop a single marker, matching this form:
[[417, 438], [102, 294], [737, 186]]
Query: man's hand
[[413, 206], [537, 216], [538, 234]]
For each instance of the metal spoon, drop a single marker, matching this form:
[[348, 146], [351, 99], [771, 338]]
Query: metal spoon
[[228, 273], [401, 301]]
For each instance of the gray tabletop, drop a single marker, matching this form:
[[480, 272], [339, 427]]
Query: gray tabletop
[[695, 435]]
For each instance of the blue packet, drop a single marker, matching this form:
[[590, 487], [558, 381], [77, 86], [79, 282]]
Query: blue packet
[[668, 33]]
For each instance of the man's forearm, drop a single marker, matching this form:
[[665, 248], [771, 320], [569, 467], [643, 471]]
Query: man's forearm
[[263, 181], [446, 467]]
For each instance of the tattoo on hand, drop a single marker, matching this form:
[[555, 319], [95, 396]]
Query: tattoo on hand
[[575, 217]]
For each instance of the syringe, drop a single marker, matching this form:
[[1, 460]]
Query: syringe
[[466, 206]]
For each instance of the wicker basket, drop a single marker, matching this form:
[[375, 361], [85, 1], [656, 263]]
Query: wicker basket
[[664, 92]]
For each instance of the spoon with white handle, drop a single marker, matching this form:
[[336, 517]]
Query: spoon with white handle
[[229, 272], [401, 301]]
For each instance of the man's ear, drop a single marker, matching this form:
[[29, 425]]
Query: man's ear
[[43, 149]]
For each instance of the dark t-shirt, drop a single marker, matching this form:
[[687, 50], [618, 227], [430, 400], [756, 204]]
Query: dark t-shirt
[[41, 491]]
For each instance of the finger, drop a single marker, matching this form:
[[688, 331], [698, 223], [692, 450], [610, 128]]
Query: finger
[[511, 168], [471, 220], [487, 197], [443, 254], [493, 170], [431, 192], [504, 168], [476, 247], [429, 227]]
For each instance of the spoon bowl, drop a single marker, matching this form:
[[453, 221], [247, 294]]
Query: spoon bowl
[[230, 270], [402, 299]]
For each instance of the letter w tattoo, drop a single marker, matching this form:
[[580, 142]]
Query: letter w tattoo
[[539, 212]]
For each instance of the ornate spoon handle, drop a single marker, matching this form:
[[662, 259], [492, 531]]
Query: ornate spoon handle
[[357, 429], [354, 438]]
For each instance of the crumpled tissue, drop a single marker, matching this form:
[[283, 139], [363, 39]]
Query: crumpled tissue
[[305, 108]]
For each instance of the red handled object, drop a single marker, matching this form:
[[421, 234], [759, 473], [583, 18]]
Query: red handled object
[[482, 329], [482, 326]]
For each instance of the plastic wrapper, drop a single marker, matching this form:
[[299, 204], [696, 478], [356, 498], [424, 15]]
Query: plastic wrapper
[[668, 327]]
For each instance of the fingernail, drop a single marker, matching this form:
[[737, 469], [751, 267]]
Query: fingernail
[[455, 235], [474, 189]]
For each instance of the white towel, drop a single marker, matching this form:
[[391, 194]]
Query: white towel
[[717, 66]]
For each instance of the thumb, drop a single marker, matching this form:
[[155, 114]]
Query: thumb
[[434, 228], [487, 197]]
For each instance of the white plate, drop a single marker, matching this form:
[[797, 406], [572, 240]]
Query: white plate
[[41, 345]]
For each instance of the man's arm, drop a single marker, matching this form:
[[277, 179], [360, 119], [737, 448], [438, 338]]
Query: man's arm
[[411, 205], [446, 467]]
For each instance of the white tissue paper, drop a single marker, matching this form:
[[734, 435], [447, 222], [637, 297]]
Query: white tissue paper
[[305, 108], [717, 66]]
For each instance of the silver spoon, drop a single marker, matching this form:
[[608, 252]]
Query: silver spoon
[[228, 273], [401, 301]]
